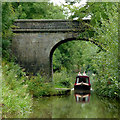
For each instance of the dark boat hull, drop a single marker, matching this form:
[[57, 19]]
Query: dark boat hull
[[81, 87]]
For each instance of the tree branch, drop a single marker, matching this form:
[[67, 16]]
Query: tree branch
[[94, 42]]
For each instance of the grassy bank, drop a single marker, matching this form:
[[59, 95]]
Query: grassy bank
[[40, 86], [18, 89], [63, 79], [15, 94]]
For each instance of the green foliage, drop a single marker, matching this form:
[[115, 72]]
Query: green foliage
[[74, 56], [24, 10], [107, 88], [37, 10], [86, 56], [7, 10], [62, 79], [16, 98], [107, 62], [39, 86]]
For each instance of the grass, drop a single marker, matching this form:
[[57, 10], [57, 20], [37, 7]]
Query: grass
[[38, 86], [16, 97]]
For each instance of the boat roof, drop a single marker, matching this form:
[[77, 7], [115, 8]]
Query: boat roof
[[83, 76]]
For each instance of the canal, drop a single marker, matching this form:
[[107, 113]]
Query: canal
[[87, 105]]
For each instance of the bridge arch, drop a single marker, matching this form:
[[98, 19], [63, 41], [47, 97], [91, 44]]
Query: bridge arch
[[54, 48], [64, 41]]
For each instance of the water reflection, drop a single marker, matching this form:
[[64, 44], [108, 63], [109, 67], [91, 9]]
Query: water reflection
[[91, 106], [82, 97]]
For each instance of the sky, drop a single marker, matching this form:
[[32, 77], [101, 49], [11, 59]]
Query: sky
[[59, 2], [81, 3]]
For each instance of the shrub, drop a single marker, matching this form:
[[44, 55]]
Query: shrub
[[107, 88], [62, 79], [16, 98], [38, 86]]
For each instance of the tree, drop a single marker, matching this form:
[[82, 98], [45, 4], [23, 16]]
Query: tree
[[24, 10], [104, 32]]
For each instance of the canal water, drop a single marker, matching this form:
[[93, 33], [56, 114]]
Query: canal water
[[77, 105]]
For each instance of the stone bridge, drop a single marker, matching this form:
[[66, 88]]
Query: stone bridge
[[35, 40]]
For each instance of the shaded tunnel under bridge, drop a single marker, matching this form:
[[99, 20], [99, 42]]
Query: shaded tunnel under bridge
[[35, 40]]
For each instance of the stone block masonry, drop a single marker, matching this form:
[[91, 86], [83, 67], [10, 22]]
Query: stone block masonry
[[35, 41]]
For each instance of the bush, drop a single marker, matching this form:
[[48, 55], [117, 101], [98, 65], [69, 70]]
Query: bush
[[107, 88], [38, 86], [62, 79], [16, 98]]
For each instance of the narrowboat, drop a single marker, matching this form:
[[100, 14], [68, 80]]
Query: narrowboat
[[82, 82]]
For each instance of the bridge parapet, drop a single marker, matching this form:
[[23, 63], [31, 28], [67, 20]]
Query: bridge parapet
[[49, 25]]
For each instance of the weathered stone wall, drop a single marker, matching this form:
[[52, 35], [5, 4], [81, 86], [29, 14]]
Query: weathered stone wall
[[34, 40]]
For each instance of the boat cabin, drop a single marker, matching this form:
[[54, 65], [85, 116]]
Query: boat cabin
[[82, 82]]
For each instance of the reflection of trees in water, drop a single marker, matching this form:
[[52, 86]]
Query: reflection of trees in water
[[42, 108], [67, 107], [111, 106]]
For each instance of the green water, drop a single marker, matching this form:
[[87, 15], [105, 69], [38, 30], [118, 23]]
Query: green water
[[75, 106]]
